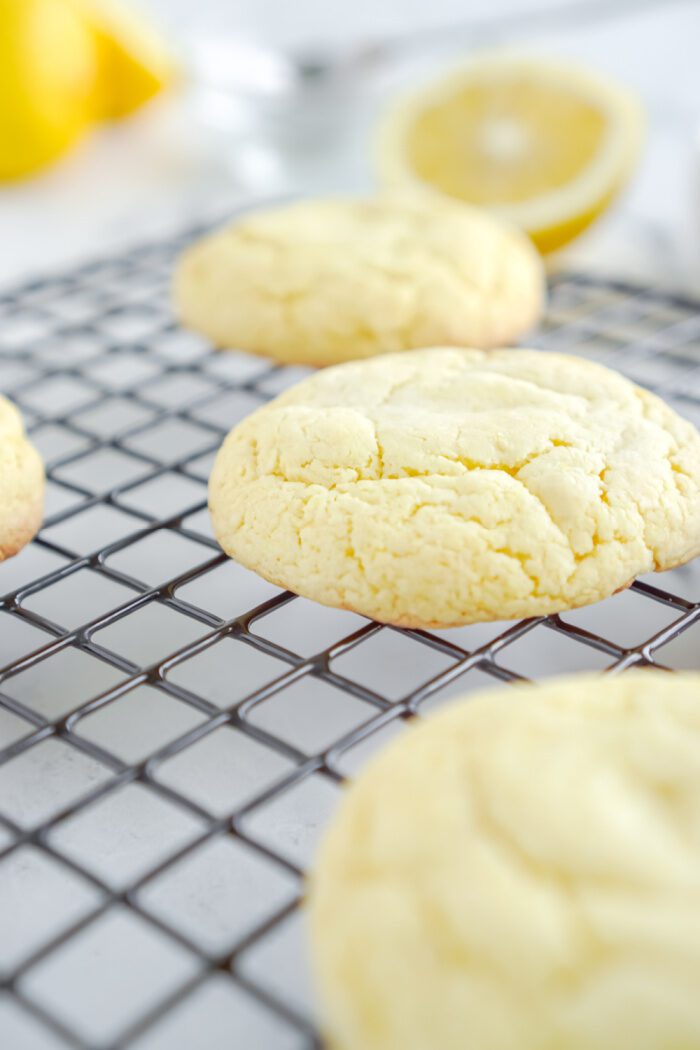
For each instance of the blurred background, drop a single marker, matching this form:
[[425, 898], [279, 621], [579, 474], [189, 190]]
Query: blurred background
[[260, 98]]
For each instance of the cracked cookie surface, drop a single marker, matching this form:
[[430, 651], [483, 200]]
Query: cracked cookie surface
[[319, 282], [21, 484], [520, 872], [447, 487]]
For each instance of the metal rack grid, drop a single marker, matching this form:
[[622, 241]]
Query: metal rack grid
[[172, 729]]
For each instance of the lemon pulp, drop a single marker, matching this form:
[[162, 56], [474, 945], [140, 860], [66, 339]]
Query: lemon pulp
[[504, 145]]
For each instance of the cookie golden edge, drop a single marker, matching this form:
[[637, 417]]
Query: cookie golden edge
[[21, 484], [685, 548], [519, 301], [339, 1011]]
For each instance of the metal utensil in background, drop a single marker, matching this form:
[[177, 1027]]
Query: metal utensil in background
[[278, 112]]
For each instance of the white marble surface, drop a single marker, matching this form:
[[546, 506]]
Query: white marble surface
[[168, 165]]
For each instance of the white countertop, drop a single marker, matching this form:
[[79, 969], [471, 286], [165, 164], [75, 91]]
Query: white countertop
[[165, 167]]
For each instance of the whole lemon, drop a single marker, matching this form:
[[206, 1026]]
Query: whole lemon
[[48, 70]]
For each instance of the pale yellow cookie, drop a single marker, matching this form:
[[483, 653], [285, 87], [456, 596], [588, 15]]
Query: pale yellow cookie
[[445, 487], [320, 282], [521, 872], [21, 484]]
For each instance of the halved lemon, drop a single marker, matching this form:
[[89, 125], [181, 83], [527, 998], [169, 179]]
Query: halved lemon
[[546, 145]]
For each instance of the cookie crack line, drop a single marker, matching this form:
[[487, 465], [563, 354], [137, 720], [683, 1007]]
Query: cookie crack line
[[471, 466]]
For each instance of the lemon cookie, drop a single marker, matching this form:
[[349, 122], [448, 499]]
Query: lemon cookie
[[446, 487], [325, 281], [21, 483], [521, 872]]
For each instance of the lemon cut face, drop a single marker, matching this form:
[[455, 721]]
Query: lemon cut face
[[547, 146]]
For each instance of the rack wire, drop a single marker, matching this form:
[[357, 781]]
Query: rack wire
[[173, 730]]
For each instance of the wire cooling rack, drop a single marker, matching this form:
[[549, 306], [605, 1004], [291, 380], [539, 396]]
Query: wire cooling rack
[[173, 730]]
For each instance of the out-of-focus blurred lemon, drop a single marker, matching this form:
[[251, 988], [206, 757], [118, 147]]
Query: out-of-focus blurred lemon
[[48, 66], [65, 64], [545, 145], [134, 64]]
